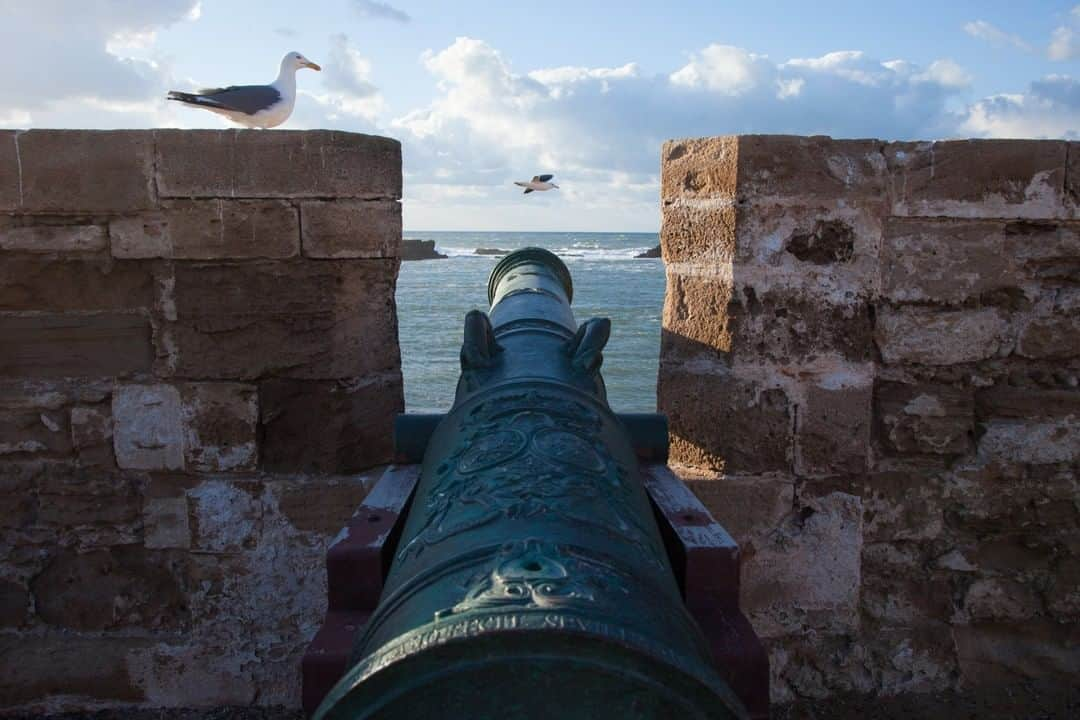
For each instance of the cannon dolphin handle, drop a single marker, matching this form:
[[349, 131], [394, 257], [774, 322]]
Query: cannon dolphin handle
[[530, 579]]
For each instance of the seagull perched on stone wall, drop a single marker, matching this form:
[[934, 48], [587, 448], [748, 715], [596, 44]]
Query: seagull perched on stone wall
[[254, 106], [539, 182]]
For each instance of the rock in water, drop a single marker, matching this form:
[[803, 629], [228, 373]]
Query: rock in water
[[491, 251], [420, 250], [650, 253]]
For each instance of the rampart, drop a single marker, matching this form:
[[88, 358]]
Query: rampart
[[870, 362], [198, 352]]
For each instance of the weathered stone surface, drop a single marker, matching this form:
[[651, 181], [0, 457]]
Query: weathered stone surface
[[749, 507], [10, 187], [723, 423], [333, 319], [86, 507], [1063, 595], [934, 337], [805, 575], [351, 229], [324, 505], [1014, 509], [165, 522], [899, 592], [1031, 441], [210, 229], [340, 426], [698, 231], [833, 429], [1046, 250], [14, 603], [1000, 599], [925, 419], [809, 169], [86, 170], [91, 435], [997, 652], [219, 421], [902, 505], [148, 431], [249, 163], [116, 587], [53, 238], [101, 344], [978, 178], [945, 261], [1003, 401], [699, 168], [37, 669], [42, 284], [1054, 338], [789, 326], [696, 317], [31, 431], [225, 516]]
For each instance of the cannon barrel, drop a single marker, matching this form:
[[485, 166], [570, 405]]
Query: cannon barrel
[[530, 579]]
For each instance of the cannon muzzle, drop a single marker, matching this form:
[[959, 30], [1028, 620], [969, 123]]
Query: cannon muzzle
[[530, 579]]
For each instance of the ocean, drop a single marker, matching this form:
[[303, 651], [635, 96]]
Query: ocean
[[434, 295]]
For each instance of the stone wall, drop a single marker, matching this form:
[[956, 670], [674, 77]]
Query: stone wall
[[198, 354], [870, 361]]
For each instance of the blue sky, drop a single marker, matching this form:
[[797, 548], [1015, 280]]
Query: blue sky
[[483, 93]]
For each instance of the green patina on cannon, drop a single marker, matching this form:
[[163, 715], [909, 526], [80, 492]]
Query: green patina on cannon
[[530, 579]]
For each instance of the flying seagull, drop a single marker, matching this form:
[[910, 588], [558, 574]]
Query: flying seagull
[[539, 182], [255, 106]]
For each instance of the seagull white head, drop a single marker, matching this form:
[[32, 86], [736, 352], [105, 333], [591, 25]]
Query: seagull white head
[[295, 61]]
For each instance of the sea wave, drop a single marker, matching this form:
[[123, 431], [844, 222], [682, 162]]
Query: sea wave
[[576, 252]]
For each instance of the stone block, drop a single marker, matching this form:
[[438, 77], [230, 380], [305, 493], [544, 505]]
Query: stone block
[[1005, 652], [165, 523], [10, 187], [1063, 595], [1032, 442], [322, 506], [226, 516], [1047, 251], [14, 603], [327, 319], [91, 435], [898, 592], [210, 229], [1072, 179], [41, 669], [1018, 511], [805, 575], [86, 507], [340, 426], [351, 229], [1004, 401], [73, 171], [749, 507], [93, 345], [832, 435], [924, 418], [945, 261], [699, 168], [123, 586], [284, 163], [902, 505], [797, 326], [697, 316], [219, 422], [53, 238], [810, 169], [148, 432], [1050, 338], [46, 284], [1000, 599], [725, 423], [978, 178], [934, 337], [27, 431], [698, 231]]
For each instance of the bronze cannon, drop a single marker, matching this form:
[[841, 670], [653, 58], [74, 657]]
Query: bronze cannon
[[528, 577]]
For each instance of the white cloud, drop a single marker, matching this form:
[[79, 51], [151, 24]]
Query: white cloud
[[380, 11], [1065, 40], [76, 54], [724, 69], [985, 31], [1049, 109]]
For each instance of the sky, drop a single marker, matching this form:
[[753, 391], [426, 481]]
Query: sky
[[482, 93]]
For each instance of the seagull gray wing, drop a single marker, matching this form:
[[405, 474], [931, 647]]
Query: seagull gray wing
[[543, 178], [248, 99]]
